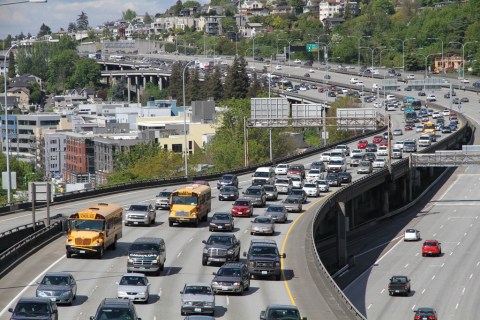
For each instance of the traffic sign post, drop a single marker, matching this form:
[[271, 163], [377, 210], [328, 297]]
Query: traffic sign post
[[312, 47], [40, 192]]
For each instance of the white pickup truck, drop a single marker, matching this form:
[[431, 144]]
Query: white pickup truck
[[353, 80], [425, 140]]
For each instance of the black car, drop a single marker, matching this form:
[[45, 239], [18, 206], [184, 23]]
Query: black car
[[421, 93], [369, 156], [331, 94], [327, 76], [371, 147], [425, 313], [228, 193], [228, 180], [221, 221], [300, 193], [221, 247], [232, 277], [333, 179], [111, 308], [346, 177], [307, 75], [42, 308]]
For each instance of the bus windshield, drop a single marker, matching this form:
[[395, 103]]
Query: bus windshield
[[86, 225], [188, 200]]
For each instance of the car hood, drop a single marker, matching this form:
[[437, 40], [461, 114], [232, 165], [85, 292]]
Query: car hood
[[261, 225], [198, 297], [46, 287], [227, 279], [274, 214], [241, 207], [218, 246], [227, 192], [221, 221], [136, 212], [128, 288], [248, 196], [36, 317]]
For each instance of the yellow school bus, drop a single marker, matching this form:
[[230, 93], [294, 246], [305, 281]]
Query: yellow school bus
[[190, 204], [429, 128], [92, 230]]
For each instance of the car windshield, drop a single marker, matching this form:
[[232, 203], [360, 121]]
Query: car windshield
[[430, 244], [144, 247], [236, 272], [283, 314], [310, 185], [133, 281], [197, 290], [241, 204], [262, 220], [31, 308], [292, 200], [86, 225], [221, 216], [261, 174], [322, 182], [55, 280], [227, 177], [185, 200], [164, 194], [297, 168], [365, 164], [268, 188], [332, 176], [138, 207], [264, 251], [275, 209], [115, 313], [314, 172], [252, 191], [296, 179], [296, 191], [336, 162], [228, 189], [219, 240], [282, 181]]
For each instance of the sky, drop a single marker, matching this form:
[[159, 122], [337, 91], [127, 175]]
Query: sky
[[28, 17]]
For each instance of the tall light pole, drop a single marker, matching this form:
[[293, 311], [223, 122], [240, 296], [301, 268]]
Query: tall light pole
[[25, 1], [185, 118], [403, 50], [7, 143], [318, 48], [358, 48], [463, 55], [426, 56], [372, 51], [289, 51], [443, 71]]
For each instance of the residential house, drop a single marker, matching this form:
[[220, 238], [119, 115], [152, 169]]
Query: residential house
[[23, 96], [331, 9], [211, 25]]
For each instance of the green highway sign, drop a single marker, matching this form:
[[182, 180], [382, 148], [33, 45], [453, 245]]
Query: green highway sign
[[312, 47]]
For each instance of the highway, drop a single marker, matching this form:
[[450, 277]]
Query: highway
[[96, 278]]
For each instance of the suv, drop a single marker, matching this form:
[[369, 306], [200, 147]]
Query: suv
[[264, 259], [198, 298], [257, 195], [399, 285], [221, 247], [41, 308], [271, 191], [275, 311], [227, 180], [140, 214], [231, 277], [163, 200], [410, 146], [284, 185], [147, 254], [115, 309]]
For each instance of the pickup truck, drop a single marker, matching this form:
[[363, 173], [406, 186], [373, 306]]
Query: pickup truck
[[399, 285]]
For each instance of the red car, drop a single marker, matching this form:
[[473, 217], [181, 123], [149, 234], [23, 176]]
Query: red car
[[452, 116], [362, 144], [431, 248], [408, 127], [383, 143], [377, 139], [296, 169], [242, 208]]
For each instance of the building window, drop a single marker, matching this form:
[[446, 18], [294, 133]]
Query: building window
[[165, 146], [177, 147], [190, 145]]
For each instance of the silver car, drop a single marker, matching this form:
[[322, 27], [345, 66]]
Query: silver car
[[293, 203], [278, 213], [323, 186], [197, 298], [134, 286], [60, 287], [141, 213], [284, 185], [262, 225]]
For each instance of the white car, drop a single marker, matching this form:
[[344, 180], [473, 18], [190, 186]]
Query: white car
[[323, 186], [418, 128], [379, 163], [382, 151], [311, 70], [359, 83], [313, 175], [431, 98], [446, 112], [298, 61], [325, 157], [375, 86], [134, 286], [397, 153], [397, 132], [281, 168], [398, 145], [311, 189], [464, 80], [356, 151], [377, 104], [297, 182], [344, 148], [411, 235], [353, 80], [435, 115], [410, 77], [278, 67]]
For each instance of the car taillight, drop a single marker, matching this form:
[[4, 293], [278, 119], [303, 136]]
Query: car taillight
[[417, 317], [431, 317]]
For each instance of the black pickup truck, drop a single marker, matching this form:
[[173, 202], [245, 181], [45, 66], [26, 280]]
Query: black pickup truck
[[399, 285]]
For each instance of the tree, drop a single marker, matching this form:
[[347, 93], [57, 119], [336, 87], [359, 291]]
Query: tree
[[118, 91], [147, 19], [72, 27], [36, 94], [213, 84], [11, 65], [60, 69], [82, 22], [237, 82], [87, 74], [191, 4], [129, 15], [297, 5], [256, 86], [44, 30], [194, 87], [176, 81], [177, 7]]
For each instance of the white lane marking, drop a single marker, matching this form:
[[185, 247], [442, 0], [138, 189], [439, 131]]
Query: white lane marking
[[478, 263], [434, 235], [463, 291], [25, 215], [380, 245], [471, 276], [168, 271], [245, 231], [228, 301], [417, 254], [451, 253], [369, 306], [30, 284], [441, 227], [458, 243], [383, 290], [442, 265], [448, 190], [406, 265], [433, 277], [471, 225], [423, 291], [178, 255], [190, 240], [160, 292], [413, 307], [456, 307], [465, 234]]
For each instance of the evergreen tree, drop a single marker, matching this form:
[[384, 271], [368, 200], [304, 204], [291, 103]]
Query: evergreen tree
[[82, 21], [176, 81], [118, 91], [72, 27], [237, 82], [11, 65], [44, 30], [213, 84], [194, 87], [147, 19], [256, 86]]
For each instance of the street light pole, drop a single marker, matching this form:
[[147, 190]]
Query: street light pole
[[358, 47], [426, 69], [185, 119], [26, 1], [7, 143], [403, 50], [441, 61], [289, 51], [318, 48], [463, 56]]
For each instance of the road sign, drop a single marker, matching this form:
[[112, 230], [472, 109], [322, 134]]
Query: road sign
[[40, 191], [312, 47], [13, 180]]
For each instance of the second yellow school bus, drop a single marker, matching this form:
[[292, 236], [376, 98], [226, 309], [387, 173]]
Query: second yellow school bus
[[92, 230], [190, 204]]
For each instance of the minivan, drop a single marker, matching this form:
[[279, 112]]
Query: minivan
[[147, 254], [263, 175]]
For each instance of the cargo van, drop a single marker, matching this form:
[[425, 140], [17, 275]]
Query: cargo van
[[147, 254], [390, 97], [263, 175]]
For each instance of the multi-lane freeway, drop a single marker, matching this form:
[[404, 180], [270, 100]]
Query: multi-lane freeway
[[96, 278]]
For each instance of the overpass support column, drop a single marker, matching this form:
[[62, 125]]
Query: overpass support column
[[160, 83], [342, 226], [431, 172], [404, 187], [128, 88], [385, 200], [144, 82]]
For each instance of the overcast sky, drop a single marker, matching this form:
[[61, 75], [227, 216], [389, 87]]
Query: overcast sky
[[28, 17]]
